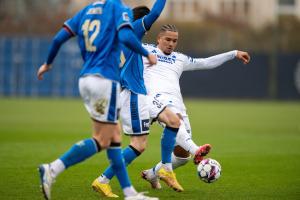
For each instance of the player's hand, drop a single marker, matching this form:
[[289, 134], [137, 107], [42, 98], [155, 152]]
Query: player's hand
[[152, 59], [244, 56], [42, 70]]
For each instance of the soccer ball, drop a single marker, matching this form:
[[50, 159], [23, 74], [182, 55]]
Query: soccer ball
[[209, 170]]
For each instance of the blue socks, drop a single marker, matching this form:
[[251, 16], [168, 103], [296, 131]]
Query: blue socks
[[86, 148], [167, 144], [80, 151], [114, 154], [129, 154]]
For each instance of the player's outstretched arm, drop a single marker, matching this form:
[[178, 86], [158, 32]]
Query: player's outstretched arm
[[215, 61], [244, 56], [62, 36], [154, 13], [127, 36]]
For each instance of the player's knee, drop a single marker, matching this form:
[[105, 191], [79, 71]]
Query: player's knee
[[139, 144], [104, 144], [140, 147], [174, 122]]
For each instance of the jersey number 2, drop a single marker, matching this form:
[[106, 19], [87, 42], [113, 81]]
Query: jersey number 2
[[87, 27]]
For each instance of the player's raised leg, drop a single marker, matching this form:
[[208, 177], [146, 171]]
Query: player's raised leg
[[185, 141], [184, 148]]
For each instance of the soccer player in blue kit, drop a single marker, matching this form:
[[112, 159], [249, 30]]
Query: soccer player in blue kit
[[100, 28], [135, 113]]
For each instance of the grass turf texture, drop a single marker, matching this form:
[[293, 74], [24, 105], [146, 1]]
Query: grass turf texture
[[257, 144]]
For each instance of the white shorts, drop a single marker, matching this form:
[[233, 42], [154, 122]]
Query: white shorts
[[175, 106], [157, 103], [134, 113], [101, 98]]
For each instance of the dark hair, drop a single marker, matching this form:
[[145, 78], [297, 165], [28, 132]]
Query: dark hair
[[139, 12], [168, 27]]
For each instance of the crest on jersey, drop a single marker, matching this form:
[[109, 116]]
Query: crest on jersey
[[126, 16]]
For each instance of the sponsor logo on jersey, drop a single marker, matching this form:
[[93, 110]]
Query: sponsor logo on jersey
[[166, 59], [95, 11], [145, 125]]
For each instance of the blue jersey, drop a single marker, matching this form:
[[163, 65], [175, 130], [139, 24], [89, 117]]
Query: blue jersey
[[133, 70], [97, 28]]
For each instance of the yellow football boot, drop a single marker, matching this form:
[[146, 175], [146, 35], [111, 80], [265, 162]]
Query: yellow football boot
[[104, 189], [169, 178]]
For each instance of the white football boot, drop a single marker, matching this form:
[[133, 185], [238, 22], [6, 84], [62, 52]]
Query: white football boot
[[153, 180], [46, 180]]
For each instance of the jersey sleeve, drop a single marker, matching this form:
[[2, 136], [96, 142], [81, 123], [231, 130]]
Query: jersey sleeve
[[61, 37], [139, 28], [123, 16], [155, 12], [208, 63], [73, 24], [127, 37]]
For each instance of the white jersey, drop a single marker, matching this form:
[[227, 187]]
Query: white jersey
[[164, 77]]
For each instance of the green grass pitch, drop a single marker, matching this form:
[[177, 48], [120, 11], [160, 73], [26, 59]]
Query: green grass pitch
[[256, 142]]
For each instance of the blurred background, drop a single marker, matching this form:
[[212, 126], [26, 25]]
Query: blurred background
[[268, 29]]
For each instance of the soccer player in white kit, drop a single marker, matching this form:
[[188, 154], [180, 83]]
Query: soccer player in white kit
[[162, 82]]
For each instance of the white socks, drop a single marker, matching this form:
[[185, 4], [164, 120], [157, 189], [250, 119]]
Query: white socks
[[177, 161], [103, 179], [57, 167], [184, 140], [129, 191]]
